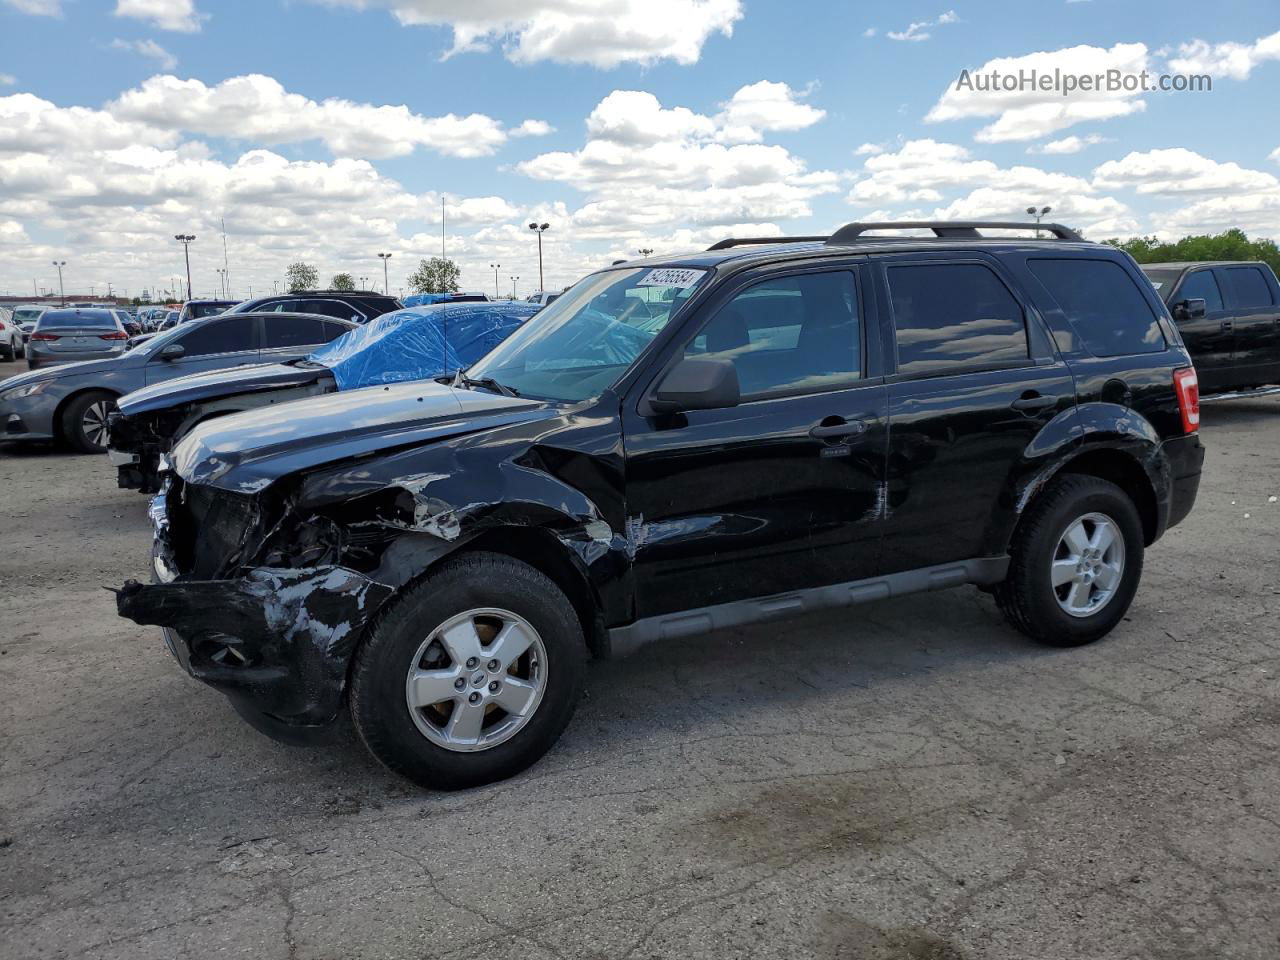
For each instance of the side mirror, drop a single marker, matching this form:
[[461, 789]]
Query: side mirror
[[173, 351], [1192, 309], [697, 383]]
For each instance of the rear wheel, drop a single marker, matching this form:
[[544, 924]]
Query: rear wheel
[[84, 421], [471, 676], [1076, 560]]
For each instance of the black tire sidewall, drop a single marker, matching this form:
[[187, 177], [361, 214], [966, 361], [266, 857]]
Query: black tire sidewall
[[1053, 624], [73, 420], [382, 662]]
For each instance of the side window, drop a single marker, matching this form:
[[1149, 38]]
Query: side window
[[220, 336], [1103, 305], [334, 330], [288, 331], [330, 308], [1249, 287], [950, 315], [1201, 285], [791, 335]]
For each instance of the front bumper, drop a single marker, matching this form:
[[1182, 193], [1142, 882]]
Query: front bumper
[[28, 418], [278, 642]]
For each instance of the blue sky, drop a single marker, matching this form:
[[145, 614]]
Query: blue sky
[[327, 130]]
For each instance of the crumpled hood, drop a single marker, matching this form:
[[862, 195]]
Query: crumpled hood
[[246, 452], [218, 383]]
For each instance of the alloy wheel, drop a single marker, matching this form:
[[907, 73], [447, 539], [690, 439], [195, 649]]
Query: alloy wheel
[[94, 421], [1088, 564], [476, 680]]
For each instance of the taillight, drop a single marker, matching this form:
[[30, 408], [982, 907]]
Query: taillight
[[44, 336], [1187, 385], [118, 335]]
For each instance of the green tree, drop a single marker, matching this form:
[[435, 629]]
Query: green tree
[[1231, 244], [436, 275], [342, 281], [301, 276]]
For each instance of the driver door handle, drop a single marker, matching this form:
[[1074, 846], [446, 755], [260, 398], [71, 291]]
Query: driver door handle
[[1034, 402], [845, 428]]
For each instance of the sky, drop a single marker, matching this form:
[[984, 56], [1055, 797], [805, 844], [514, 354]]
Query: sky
[[331, 131]]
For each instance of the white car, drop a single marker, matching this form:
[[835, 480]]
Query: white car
[[542, 297]]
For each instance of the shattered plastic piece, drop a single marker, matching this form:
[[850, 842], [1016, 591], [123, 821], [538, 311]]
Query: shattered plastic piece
[[1271, 499], [420, 343]]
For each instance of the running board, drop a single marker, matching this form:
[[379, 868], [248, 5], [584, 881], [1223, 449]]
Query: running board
[[1240, 394], [984, 571]]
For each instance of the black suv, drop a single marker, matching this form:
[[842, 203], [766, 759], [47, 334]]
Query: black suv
[[1229, 316], [674, 446], [358, 305]]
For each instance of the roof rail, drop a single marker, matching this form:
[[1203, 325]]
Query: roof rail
[[947, 229], [728, 242]]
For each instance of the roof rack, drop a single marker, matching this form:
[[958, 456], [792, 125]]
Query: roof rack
[[947, 229], [728, 242]]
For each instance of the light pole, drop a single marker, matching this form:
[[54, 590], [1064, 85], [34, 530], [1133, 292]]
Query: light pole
[[62, 293], [645, 251], [222, 285], [495, 267], [514, 281], [1038, 214], [386, 284], [185, 239], [539, 229]]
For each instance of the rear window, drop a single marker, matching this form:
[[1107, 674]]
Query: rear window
[[26, 316], [953, 315], [1103, 305], [66, 319], [1250, 287]]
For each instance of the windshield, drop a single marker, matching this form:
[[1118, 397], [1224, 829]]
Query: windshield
[[26, 315], [581, 344], [157, 341], [197, 310]]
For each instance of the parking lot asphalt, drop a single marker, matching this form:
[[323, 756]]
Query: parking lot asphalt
[[909, 780]]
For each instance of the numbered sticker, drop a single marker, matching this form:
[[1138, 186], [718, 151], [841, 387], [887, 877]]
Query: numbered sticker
[[681, 277]]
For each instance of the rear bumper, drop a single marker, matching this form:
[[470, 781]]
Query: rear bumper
[[1185, 458], [282, 642]]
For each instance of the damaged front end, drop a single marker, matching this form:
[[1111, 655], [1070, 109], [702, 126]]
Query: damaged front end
[[137, 443]]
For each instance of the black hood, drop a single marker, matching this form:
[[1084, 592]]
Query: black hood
[[220, 383], [246, 452]]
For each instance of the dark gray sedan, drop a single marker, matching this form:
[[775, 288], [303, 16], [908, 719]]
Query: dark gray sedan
[[71, 335], [71, 403]]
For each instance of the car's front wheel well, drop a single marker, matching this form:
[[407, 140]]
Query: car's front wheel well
[[540, 549], [1127, 474], [71, 398]]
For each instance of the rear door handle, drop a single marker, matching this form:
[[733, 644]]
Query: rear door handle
[[845, 428], [1226, 326], [1037, 402]]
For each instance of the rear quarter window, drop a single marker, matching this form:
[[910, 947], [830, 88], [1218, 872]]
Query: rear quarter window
[[1249, 287], [1103, 304]]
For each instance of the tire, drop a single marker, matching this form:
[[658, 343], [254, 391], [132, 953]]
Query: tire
[[474, 587], [80, 417], [1072, 509]]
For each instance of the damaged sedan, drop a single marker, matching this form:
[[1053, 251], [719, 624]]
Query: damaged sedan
[[400, 346], [671, 447]]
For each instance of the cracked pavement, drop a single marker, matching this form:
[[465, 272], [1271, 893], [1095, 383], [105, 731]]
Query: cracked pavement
[[909, 780]]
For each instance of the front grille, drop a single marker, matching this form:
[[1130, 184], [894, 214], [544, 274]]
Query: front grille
[[209, 528]]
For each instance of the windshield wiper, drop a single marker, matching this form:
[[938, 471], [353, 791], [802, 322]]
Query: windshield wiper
[[460, 380]]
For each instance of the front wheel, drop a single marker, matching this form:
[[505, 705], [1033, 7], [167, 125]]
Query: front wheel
[[84, 421], [471, 675], [1076, 560]]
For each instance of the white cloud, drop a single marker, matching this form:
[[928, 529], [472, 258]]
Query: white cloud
[[1178, 171], [257, 108], [1234, 60], [1028, 114], [38, 8], [1072, 144], [602, 34], [532, 128], [764, 107], [177, 15], [7, 80], [870, 32], [868, 150], [147, 48], [928, 179], [917, 32], [1274, 155]]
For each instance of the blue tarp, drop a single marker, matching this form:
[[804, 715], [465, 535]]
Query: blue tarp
[[420, 342]]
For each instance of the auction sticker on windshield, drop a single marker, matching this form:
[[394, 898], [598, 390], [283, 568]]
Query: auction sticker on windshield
[[681, 277]]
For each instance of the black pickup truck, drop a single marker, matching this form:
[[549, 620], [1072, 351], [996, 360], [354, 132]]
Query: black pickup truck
[[1229, 316]]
